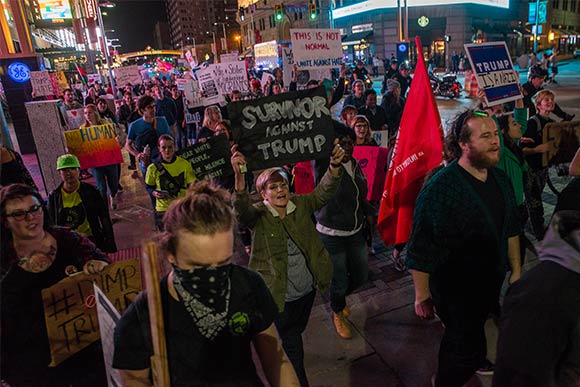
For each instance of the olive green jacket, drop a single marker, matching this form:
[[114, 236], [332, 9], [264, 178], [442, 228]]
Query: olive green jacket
[[270, 237]]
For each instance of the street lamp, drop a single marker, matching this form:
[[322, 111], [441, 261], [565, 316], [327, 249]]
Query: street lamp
[[225, 38], [238, 38], [106, 4]]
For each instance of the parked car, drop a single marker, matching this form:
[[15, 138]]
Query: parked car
[[576, 53]]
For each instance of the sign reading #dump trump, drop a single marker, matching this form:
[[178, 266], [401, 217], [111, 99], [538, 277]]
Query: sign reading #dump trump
[[494, 71]]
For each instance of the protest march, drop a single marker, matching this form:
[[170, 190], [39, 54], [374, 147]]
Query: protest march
[[189, 220]]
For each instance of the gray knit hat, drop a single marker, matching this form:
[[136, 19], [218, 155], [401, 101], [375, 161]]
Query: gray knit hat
[[392, 85]]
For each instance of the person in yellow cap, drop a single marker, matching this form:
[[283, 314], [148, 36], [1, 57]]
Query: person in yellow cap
[[80, 206]]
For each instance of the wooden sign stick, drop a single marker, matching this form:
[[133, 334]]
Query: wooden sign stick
[[159, 361]]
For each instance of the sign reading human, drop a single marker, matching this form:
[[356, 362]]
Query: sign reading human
[[316, 48], [494, 71], [95, 146], [283, 129]]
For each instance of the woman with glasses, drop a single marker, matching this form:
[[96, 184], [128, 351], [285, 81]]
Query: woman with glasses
[[362, 130], [106, 176], [213, 310], [35, 256]]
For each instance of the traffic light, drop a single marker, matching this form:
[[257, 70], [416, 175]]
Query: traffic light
[[279, 11], [312, 10], [242, 13]]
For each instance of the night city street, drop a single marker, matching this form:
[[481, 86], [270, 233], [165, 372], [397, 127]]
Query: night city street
[[290, 193]]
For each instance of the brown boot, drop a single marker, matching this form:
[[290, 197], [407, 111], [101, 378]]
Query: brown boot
[[341, 325]]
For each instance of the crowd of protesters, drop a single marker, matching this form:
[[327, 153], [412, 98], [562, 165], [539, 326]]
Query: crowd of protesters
[[468, 234]]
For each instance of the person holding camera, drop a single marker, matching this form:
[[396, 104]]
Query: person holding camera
[[167, 177]]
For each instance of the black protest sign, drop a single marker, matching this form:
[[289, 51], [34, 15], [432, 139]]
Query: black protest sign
[[211, 158], [69, 306], [283, 129]]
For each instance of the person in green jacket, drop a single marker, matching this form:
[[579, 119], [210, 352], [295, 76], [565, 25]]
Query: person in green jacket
[[286, 248]]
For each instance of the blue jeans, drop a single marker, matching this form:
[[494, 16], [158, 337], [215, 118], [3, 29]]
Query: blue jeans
[[108, 175], [350, 266]]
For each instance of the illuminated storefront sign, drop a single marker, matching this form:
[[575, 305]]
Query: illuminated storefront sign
[[372, 5], [90, 8], [423, 21], [19, 72], [53, 13]]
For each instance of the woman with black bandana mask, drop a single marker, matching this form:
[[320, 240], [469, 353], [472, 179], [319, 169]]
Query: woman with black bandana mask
[[213, 310]]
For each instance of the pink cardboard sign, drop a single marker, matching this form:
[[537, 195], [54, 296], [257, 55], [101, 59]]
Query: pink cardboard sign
[[373, 162]]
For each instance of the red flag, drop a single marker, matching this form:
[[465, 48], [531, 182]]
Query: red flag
[[418, 149]]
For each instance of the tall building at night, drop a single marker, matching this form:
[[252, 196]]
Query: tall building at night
[[194, 22]]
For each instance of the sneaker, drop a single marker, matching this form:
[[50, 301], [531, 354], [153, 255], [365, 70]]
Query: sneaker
[[341, 325], [132, 167], [346, 311], [486, 368]]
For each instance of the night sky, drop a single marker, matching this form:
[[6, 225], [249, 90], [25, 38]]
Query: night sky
[[133, 22]]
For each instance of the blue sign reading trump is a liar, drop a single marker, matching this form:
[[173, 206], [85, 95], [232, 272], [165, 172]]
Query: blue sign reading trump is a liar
[[494, 71]]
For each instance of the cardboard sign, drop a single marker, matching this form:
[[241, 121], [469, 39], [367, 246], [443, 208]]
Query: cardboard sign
[[494, 71], [59, 82], [94, 78], [209, 87], [108, 317], [75, 118], [563, 138], [69, 306], [41, 83], [231, 57], [266, 54], [191, 93], [316, 48], [191, 59], [303, 178], [373, 162], [283, 129], [128, 74], [229, 77], [95, 146], [381, 137], [209, 159], [287, 62]]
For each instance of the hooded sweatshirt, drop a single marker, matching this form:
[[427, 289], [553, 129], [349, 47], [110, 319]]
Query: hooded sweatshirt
[[539, 338]]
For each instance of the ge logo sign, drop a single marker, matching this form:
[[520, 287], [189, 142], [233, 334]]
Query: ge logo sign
[[19, 72], [402, 47]]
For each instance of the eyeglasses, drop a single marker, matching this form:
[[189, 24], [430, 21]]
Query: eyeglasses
[[22, 214]]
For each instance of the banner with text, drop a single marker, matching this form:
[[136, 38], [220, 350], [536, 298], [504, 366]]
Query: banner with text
[[266, 54], [41, 83], [230, 76], [230, 57], [283, 129], [316, 48], [59, 82], [209, 88], [373, 162], [494, 71], [69, 306], [209, 159], [128, 74], [95, 146]]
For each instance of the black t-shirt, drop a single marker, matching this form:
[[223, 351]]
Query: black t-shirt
[[193, 359], [535, 132], [491, 195]]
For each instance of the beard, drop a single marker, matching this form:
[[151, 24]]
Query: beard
[[482, 159]]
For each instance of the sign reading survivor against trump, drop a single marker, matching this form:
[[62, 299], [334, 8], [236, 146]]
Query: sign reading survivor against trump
[[283, 129], [494, 71]]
